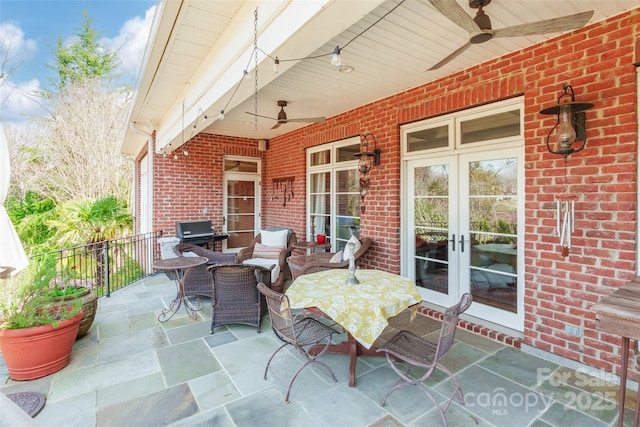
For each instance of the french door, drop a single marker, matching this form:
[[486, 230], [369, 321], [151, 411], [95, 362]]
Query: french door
[[463, 213], [241, 202]]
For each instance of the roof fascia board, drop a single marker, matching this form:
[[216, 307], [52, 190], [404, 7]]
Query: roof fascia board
[[162, 27]]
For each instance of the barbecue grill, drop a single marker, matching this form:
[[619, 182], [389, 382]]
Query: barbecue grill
[[199, 233]]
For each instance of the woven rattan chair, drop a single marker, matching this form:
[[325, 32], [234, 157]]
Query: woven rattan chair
[[247, 253], [236, 299], [198, 280], [298, 331], [419, 352], [319, 261]]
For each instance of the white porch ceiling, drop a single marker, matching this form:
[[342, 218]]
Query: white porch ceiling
[[199, 48]]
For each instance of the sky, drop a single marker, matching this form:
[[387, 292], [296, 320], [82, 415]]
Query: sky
[[29, 32]]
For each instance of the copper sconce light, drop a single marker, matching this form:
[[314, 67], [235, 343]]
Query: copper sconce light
[[367, 159], [570, 124]]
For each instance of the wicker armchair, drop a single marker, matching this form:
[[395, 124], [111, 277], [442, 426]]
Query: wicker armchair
[[247, 253], [236, 298], [319, 261], [198, 281]]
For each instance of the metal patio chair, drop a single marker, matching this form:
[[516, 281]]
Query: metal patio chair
[[298, 330], [418, 352]]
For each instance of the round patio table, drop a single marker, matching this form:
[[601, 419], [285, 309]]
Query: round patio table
[[180, 268]]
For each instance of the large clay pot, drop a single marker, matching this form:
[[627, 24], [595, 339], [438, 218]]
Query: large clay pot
[[89, 307], [31, 353]]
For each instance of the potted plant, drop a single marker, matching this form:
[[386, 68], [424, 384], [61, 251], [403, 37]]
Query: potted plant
[[70, 291], [37, 333]]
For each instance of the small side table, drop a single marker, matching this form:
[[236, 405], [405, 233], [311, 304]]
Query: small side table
[[180, 267], [312, 246], [619, 314]]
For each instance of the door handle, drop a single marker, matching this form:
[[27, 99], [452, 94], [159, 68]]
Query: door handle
[[462, 243], [453, 242]]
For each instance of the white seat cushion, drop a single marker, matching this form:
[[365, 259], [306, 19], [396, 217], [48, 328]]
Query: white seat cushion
[[268, 263]]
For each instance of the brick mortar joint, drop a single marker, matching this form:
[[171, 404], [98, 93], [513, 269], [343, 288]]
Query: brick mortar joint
[[476, 329]]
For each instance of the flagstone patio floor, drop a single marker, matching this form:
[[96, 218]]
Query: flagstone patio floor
[[132, 370]]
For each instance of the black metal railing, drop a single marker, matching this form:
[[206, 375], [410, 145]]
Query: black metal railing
[[105, 266]]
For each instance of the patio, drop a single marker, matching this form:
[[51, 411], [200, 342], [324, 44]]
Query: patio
[[131, 370]]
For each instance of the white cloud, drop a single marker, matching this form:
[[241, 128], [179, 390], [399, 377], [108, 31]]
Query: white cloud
[[20, 101], [130, 43], [14, 48]]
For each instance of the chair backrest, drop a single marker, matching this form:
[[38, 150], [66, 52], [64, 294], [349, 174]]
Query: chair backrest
[[279, 313], [213, 256], [234, 283], [449, 325], [291, 235]]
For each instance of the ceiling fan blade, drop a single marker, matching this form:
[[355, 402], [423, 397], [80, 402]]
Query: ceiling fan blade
[[450, 57], [277, 125], [456, 14], [258, 115], [554, 25], [308, 120]]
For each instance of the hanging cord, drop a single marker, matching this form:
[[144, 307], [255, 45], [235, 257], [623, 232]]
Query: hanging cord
[[343, 47], [255, 49], [564, 189]]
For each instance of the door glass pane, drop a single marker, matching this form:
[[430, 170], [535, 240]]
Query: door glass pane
[[426, 139], [348, 206], [493, 212], [431, 207], [321, 158], [320, 202], [345, 154], [247, 166], [240, 213], [496, 126]]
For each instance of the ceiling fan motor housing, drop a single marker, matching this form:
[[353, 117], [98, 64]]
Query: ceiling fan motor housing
[[477, 3]]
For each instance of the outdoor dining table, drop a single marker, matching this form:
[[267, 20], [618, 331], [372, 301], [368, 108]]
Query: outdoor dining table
[[180, 267], [362, 310]]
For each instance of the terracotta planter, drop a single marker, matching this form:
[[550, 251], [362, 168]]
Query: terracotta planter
[[89, 307], [31, 353]]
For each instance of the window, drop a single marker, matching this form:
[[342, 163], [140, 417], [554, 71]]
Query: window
[[333, 195]]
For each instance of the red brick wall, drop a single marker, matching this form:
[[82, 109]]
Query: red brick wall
[[597, 61], [184, 187]]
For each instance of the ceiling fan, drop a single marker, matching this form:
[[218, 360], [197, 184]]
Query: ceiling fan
[[480, 30], [282, 117]]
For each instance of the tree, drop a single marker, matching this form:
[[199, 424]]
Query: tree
[[83, 60], [92, 223], [73, 152], [79, 157]]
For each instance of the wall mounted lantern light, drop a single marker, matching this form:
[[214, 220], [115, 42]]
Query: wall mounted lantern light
[[367, 159], [570, 124]]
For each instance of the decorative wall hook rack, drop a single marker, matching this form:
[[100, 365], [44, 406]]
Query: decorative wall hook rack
[[284, 185]]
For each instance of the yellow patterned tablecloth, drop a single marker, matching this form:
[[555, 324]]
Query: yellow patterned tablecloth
[[361, 309]]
